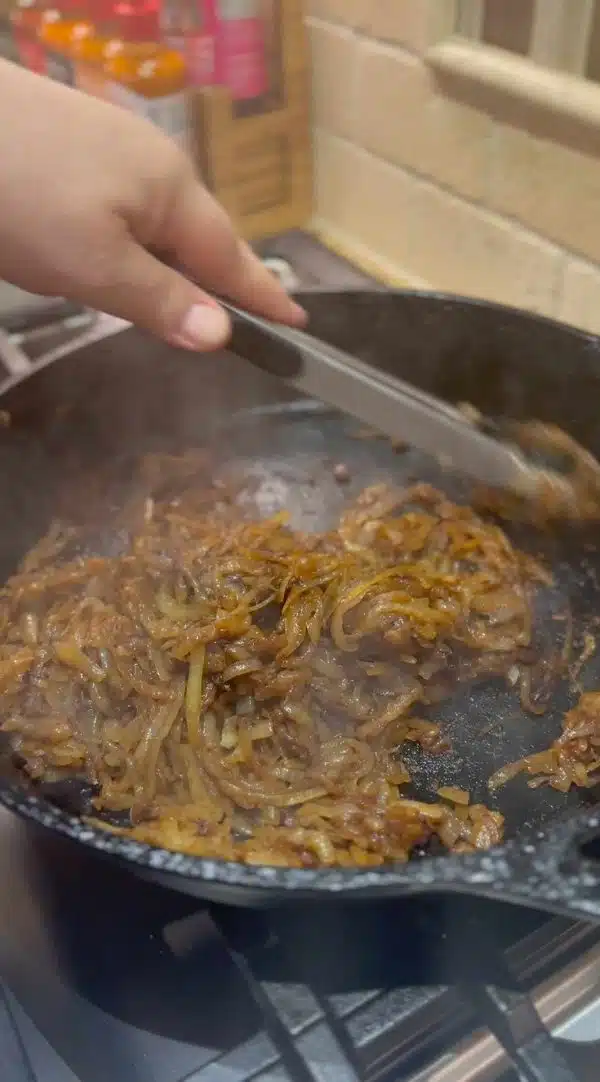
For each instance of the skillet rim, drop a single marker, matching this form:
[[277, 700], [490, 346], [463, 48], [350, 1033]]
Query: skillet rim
[[526, 867], [96, 336]]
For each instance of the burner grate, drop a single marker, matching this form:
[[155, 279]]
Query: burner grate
[[375, 1036], [15, 1063]]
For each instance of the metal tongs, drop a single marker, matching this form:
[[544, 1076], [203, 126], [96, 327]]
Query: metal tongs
[[391, 406]]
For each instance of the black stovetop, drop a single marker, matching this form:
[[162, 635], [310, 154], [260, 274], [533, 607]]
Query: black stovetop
[[132, 982]]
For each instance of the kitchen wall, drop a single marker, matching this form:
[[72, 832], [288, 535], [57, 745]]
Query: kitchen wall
[[429, 178]]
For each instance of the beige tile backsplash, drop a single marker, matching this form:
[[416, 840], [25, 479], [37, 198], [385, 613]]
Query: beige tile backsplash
[[352, 186], [463, 248], [401, 21], [334, 50], [346, 12], [579, 300], [417, 186], [401, 119], [549, 188]]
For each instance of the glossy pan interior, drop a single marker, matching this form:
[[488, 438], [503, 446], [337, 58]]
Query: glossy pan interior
[[125, 396]]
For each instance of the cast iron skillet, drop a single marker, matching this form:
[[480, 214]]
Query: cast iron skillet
[[111, 401]]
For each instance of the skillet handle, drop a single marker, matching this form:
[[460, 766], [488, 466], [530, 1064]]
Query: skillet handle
[[544, 870]]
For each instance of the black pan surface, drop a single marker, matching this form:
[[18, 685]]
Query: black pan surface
[[129, 395]]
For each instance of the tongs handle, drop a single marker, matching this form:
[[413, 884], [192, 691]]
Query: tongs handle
[[287, 364], [387, 404]]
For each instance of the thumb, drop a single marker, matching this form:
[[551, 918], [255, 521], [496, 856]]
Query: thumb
[[157, 298]]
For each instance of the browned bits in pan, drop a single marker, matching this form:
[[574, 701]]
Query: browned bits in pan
[[341, 473]]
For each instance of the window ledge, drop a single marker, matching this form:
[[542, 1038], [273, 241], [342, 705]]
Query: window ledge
[[551, 104]]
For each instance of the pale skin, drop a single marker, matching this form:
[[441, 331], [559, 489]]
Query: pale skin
[[91, 195]]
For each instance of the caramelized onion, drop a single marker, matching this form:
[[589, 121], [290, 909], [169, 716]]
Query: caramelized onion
[[572, 760], [245, 691]]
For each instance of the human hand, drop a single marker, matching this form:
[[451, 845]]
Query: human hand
[[88, 192]]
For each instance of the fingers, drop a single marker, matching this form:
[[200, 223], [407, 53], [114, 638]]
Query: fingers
[[125, 279], [201, 239], [146, 292]]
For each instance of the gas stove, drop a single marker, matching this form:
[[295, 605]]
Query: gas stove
[[106, 977]]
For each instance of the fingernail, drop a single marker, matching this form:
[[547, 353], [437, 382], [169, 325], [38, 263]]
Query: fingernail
[[299, 314], [203, 327]]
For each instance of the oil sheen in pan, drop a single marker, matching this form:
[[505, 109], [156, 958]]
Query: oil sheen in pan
[[485, 723]]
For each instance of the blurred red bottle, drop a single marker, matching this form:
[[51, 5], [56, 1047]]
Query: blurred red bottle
[[26, 19], [145, 75], [240, 48], [89, 46], [57, 25], [186, 27]]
